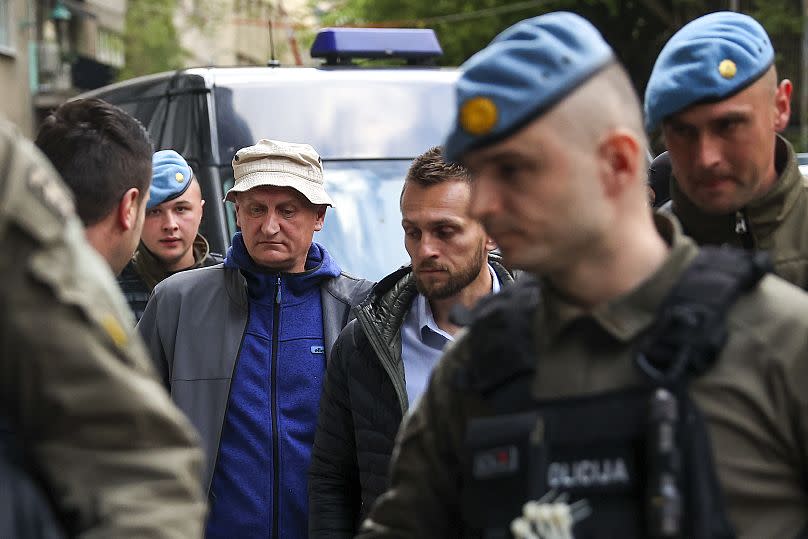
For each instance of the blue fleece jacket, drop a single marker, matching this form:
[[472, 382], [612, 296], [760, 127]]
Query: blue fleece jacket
[[259, 483]]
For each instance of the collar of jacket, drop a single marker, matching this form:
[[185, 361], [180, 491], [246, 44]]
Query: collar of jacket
[[262, 281], [151, 269], [385, 308], [763, 215], [627, 316]]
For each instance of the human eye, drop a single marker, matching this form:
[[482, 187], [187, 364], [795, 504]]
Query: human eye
[[445, 232], [255, 210], [507, 172], [680, 130], [153, 212], [412, 233], [728, 125]]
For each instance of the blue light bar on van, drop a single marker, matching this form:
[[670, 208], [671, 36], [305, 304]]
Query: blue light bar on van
[[340, 44]]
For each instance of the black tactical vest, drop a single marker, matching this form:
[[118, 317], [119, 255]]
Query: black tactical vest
[[640, 457]]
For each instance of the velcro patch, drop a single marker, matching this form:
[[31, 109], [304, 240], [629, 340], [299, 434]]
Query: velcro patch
[[495, 462]]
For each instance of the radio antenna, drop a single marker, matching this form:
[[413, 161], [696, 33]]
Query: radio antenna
[[273, 61]]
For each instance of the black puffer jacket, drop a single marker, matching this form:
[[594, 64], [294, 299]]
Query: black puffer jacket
[[363, 402]]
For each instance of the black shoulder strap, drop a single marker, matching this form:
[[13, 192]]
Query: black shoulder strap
[[690, 328], [685, 338], [503, 355]]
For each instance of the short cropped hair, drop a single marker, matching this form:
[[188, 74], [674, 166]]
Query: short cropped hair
[[100, 151], [430, 169]]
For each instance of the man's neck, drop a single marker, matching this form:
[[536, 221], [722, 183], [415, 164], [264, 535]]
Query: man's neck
[[628, 259], [184, 262], [467, 297], [779, 164], [104, 241]]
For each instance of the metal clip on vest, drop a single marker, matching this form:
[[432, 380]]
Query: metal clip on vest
[[663, 497]]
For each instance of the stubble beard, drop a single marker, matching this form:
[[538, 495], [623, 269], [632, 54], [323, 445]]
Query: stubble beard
[[456, 282]]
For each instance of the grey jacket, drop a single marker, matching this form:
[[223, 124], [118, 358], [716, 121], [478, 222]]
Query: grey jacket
[[193, 328]]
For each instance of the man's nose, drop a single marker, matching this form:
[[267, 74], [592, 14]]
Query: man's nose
[[270, 226], [427, 247], [708, 151], [170, 221]]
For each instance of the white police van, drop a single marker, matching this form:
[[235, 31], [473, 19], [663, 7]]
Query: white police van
[[366, 123], [802, 159]]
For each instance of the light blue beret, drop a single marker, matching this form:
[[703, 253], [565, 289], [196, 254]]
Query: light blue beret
[[171, 176], [523, 72], [707, 60]]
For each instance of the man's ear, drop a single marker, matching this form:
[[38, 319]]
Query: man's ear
[[620, 161], [782, 104], [128, 207], [490, 244], [318, 225]]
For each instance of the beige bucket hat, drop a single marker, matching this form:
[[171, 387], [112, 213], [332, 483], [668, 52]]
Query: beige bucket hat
[[282, 164]]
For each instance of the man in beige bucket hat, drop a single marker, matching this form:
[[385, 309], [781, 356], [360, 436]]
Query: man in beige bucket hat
[[243, 345]]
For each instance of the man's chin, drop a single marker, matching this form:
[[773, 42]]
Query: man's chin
[[169, 262], [438, 290], [718, 205], [717, 200], [170, 258], [429, 289]]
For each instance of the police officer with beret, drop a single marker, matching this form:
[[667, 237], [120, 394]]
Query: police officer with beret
[[170, 241], [644, 387], [715, 93], [85, 426]]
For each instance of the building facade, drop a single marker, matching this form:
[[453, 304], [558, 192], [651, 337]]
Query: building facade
[[79, 47], [51, 50], [16, 42], [237, 32]]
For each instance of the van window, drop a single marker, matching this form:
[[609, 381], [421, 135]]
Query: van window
[[341, 118], [187, 130]]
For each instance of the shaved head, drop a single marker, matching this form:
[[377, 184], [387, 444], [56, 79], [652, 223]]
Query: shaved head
[[606, 102]]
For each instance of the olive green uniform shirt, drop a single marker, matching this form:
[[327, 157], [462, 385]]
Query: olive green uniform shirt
[[114, 454], [776, 223], [753, 400]]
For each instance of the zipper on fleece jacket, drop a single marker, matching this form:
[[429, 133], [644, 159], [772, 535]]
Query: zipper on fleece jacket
[[743, 231], [276, 314]]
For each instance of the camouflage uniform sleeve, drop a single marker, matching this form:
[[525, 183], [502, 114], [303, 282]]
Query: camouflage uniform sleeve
[[423, 499], [117, 458]]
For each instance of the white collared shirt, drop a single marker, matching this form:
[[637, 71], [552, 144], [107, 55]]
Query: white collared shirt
[[422, 343]]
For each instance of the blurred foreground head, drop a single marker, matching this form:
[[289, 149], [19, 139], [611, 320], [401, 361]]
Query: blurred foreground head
[[105, 157], [551, 130]]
